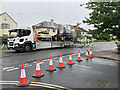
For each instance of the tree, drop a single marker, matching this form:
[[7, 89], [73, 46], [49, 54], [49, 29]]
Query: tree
[[105, 17]]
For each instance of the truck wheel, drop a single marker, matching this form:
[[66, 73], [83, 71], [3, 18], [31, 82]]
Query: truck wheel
[[28, 48]]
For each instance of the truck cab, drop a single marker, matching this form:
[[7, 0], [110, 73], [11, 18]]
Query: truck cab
[[21, 39]]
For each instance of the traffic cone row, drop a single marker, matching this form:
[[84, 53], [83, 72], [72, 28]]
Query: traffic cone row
[[23, 80]]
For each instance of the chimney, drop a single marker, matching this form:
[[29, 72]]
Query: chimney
[[52, 21]]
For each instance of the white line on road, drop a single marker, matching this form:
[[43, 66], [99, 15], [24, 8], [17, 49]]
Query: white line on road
[[74, 54], [8, 67], [27, 65], [46, 60], [82, 66], [12, 69], [55, 58], [34, 62], [24, 64], [41, 62], [64, 56]]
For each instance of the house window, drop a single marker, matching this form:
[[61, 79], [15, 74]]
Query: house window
[[5, 26], [53, 30]]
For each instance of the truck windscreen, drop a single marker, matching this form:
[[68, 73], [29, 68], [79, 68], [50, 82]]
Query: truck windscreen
[[13, 33], [19, 32]]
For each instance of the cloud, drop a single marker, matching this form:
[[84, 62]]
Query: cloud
[[30, 13]]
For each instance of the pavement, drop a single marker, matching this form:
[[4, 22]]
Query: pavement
[[105, 53], [93, 73]]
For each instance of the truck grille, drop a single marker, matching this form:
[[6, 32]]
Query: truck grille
[[10, 43]]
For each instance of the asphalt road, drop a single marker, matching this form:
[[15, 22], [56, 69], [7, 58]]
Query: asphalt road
[[94, 73]]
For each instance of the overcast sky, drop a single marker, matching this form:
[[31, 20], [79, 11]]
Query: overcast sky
[[30, 13]]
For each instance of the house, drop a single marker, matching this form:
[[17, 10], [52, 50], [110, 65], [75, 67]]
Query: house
[[82, 31], [6, 23], [48, 27], [79, 31]]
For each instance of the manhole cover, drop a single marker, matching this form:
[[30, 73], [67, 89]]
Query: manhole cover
[[99, 83]]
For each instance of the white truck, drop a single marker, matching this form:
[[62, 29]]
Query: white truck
[[25, 40]]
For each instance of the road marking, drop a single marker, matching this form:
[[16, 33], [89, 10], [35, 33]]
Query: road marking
[[21, 65], [41, 62], [34, 62], [45, 60], [49, 84], [65, 56], [58, 61], [55, 58], [7, 67], [27, 65], [13, 69], [42, 86], [82, 66], [37, 84], [24, 64], [8, 83], [74, 54], [32, 85]]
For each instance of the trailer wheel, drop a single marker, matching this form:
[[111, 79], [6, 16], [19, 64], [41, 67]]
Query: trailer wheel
[[27, 48]]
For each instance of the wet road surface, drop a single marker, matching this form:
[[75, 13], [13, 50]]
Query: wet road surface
[[94, 73]]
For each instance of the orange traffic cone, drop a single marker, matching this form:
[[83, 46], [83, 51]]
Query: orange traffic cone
[[91, 55], [51, 68], [38, 73], [23, 80], [79, 58], [87, 56], [70, 60], [60, 62]]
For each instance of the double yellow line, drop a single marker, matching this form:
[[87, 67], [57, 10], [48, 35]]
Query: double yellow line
[[38, 84]]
